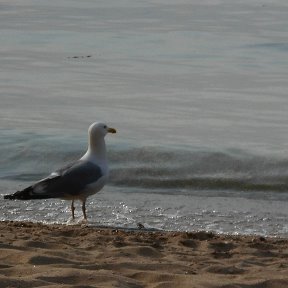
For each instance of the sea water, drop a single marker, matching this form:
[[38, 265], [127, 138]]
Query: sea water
[[197, 91]]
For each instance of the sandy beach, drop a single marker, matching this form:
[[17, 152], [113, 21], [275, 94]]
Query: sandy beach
[[38, 255]]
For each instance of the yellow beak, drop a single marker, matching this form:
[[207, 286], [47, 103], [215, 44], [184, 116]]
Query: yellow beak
[[111, 130]]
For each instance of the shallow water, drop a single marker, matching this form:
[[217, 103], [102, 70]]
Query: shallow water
[[197, 92]]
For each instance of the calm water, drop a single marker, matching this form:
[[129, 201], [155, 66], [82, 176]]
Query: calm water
[[196, 89]]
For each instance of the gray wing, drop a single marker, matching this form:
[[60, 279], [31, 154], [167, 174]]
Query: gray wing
[[68, 181]]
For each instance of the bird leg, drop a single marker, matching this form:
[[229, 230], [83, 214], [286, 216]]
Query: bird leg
[[73, 209], [84, 209]]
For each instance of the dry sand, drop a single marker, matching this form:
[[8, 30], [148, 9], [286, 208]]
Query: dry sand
[[37, 255]]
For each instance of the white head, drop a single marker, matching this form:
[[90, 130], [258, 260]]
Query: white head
[[96, 145], [99, 130]]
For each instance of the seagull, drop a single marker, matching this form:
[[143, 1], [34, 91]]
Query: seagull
[[77, 180]]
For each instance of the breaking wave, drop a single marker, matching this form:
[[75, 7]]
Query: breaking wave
[[194, 170], [153, 168]]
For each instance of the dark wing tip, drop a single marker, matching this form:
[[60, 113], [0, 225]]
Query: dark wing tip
[[21, 195], [10, 197]]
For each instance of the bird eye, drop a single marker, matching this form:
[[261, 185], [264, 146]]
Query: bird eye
[[105, 127]]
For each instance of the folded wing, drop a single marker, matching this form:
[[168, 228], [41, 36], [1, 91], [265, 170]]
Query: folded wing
[[69, 181]]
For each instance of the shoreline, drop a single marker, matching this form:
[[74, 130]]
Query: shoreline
[[56, 255]]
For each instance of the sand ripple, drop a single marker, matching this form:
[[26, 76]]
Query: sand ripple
[[37, 255]]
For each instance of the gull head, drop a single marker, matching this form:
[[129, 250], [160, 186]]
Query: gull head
[[99, 130]]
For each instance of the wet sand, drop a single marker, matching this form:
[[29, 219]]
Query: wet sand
[[38, 255]]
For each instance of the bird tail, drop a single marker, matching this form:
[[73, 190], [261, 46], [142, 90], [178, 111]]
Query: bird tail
[[25, 194]]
